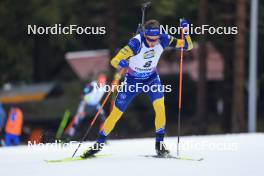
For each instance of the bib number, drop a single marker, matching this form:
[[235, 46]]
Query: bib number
[[147, 64]]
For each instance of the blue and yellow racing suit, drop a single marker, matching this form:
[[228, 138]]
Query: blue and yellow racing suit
[[142, 62]]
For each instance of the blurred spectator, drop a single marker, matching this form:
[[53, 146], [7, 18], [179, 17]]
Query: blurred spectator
[[89, 105], [2, 123], [13, 127]]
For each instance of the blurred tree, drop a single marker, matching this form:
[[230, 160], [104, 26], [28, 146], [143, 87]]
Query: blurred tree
[[15, 52], [238, 100], [201, 91], [224, 15]]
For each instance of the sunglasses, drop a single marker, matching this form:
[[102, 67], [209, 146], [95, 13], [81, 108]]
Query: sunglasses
[[151, 40]]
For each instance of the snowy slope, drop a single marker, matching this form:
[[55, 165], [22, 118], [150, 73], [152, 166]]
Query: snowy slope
[[240, 155]]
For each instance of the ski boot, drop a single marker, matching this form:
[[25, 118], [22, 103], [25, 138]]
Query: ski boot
[[161, 150], [97, 147]]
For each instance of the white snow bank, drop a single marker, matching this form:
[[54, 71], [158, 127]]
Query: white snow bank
[[224, 155]]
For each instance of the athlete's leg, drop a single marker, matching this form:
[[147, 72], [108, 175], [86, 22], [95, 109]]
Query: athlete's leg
[[156, 95], [160, 118], [71, 128], [122, 100], [111, 120]]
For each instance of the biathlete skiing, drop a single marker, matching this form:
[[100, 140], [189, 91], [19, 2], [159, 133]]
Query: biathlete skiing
[[140, 57], [89, 105]]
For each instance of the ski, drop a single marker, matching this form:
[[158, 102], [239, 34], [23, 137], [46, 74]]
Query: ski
[[174, 157], [77, 158]]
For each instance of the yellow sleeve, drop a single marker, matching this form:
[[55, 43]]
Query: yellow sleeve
[[179, 43], [124, 53]]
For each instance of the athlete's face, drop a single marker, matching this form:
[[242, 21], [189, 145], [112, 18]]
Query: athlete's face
[[152, 40]]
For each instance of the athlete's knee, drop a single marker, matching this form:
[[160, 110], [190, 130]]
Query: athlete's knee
[[115, 114], [111, 120], [159, 104]]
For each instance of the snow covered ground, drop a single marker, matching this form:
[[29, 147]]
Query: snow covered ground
[[224, 155]]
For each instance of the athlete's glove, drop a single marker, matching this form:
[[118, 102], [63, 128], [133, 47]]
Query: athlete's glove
[[122, 64], [184, 25]]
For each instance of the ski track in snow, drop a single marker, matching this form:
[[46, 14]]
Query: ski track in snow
[[243, 156]]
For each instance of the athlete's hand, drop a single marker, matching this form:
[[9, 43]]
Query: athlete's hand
[[184, 25], [122, 64]]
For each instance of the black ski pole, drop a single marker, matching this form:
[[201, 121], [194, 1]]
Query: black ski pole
[[143, 9]]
